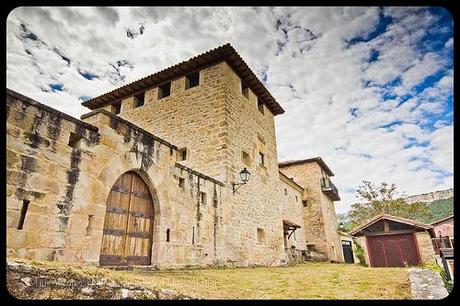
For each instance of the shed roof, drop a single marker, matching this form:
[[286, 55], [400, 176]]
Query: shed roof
[[443, 219], [291, 224], [318, 160], [223, 53], [391, 218]]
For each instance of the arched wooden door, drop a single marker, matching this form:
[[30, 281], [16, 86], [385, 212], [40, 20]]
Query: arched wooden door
[[128, 224]]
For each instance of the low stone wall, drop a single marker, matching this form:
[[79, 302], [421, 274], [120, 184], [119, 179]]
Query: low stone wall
[[27, 282]]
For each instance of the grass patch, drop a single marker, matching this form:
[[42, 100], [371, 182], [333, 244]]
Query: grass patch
[[303, 281]]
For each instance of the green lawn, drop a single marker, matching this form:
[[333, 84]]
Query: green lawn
[[303, 281]]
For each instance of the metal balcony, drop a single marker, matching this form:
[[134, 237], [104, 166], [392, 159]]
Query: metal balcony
[[329, 189]]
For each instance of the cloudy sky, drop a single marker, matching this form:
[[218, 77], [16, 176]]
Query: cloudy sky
[[368, 89]]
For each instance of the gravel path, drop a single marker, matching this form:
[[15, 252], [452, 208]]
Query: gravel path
[[426, 284]]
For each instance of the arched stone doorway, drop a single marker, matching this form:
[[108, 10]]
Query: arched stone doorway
[[128, 224]]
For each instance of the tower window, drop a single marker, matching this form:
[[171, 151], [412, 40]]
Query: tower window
[[164, 90], [260, 106], [285, 191], [139, 99], [25, 207], [261, 159], [167, 235], [304, 203], [246, 159], [192, 80], [116, 108], [245, 89]]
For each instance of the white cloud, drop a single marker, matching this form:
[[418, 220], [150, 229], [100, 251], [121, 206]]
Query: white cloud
[[311, 69]]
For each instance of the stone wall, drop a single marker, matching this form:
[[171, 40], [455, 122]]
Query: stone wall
[[65, 185], [425, 247], [222, 130], [319, 215], [193, 118]]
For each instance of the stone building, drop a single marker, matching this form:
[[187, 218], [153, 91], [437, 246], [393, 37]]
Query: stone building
[[147, 177]]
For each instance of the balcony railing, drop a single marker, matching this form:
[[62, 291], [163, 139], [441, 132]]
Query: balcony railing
[[329, 189]]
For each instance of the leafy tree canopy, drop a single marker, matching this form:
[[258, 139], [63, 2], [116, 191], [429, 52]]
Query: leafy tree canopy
[[374, 200]]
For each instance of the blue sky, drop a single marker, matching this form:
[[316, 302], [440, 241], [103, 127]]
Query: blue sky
[[369, 89]]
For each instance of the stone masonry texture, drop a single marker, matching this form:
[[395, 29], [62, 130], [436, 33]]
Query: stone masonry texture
[[221, 129]]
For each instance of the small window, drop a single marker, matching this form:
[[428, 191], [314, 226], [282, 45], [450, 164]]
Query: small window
[[139, 99], [75, 140], [113, 123], [261, 159], [116, 108], [193, 235], [22, 217], [260, 106], [167, 235], [296, 199], [181, 182], [203, 197], [285, 191], [182, 154], [192, 80], [260, 235], [164, 90], [246, 159], [89, 228], [245, 89], [304, 203]]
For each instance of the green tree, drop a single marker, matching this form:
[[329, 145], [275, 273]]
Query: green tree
[[386, 199]]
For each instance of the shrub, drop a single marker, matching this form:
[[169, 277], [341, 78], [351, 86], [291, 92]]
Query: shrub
[[359, 252]]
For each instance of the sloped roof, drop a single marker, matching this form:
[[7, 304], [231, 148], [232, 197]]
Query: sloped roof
[[318, 160], [223, 53], [391, 218], [443, 219]]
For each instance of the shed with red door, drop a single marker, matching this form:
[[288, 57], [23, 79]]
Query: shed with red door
[[390, 241]]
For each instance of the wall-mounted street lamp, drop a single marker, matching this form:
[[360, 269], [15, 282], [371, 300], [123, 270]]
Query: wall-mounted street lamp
[[244, 175]]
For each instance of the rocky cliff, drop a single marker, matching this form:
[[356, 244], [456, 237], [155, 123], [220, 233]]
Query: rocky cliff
[[431, 196]]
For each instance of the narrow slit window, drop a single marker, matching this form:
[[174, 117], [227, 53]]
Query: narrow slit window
[[89, 228], [139, 99], [181, 182], [167, 235], [192, 80], [260, 235], [296, 199], [203, 197], [261, 159], [285, 191], [75, 140], [164, 90], [22, 217], [246, 158], [182, 154], [245, 89], [193, 235], [260, 106]]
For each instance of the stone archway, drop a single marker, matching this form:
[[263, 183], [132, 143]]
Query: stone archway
[[128, 224]]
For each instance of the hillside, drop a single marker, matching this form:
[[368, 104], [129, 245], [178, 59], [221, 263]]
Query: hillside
[[441, 205], [439, 209], [431, 196]]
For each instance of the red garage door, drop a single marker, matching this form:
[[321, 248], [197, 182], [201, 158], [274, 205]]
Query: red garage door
[[393, 250]]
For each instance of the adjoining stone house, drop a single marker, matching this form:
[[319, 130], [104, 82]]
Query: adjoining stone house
[[147, 177], [390, 241]]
